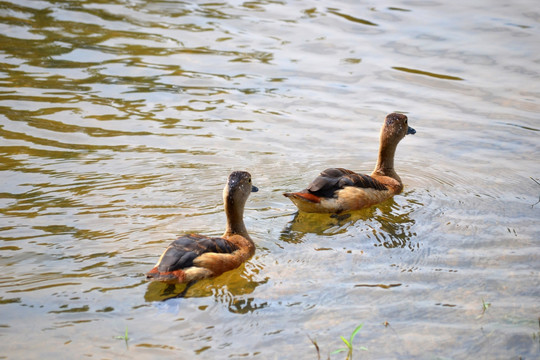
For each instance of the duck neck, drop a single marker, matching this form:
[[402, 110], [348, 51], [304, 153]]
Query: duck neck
[[235, 219], [385, 163]]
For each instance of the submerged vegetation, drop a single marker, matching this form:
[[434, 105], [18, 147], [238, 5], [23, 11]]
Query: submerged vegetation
[[485, 306], [536, 181]]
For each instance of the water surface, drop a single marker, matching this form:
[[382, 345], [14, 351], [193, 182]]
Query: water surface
[[120, 121]]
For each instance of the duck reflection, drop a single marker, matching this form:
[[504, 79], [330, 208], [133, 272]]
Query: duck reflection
[[230, 289], [389, 224], [160, 291]]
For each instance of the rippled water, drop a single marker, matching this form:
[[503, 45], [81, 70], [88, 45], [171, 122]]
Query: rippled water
[[120, 121]]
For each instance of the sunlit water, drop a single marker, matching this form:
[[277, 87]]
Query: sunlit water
[[120, 121]]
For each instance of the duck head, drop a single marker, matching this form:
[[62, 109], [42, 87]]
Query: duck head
[[395, 128], [238, 188]]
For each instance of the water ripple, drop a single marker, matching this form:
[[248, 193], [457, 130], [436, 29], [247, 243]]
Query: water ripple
[[119, 122]]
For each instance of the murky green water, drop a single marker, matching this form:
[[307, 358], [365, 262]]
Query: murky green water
[[120, 121]]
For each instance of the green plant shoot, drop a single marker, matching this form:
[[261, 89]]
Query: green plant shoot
[[123, 337], [349, 343]]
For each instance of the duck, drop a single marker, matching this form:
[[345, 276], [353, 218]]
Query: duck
[[337, 190], [193, 257]]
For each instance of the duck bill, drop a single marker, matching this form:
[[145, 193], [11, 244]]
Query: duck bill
[[411, 131], [254, 188]]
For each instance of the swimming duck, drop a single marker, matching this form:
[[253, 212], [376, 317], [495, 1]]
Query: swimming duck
[[194, 257], [336, 189]]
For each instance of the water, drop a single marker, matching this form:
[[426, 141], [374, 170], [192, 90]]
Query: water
[[120, 121]]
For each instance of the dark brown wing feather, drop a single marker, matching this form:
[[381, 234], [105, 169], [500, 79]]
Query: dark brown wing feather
[[334, 179], [181, 252]]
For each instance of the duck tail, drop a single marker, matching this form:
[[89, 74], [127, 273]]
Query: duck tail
[[303, 197], [169, 276]]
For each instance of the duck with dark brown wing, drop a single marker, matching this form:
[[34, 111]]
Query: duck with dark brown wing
[[194, 257], [336, 189]]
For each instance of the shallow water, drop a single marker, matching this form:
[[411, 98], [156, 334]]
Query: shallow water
[[120, 121]]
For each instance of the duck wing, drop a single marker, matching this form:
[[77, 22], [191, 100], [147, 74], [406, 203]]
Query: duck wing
[[181, 252], [334, 179]]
